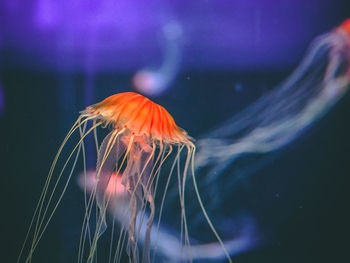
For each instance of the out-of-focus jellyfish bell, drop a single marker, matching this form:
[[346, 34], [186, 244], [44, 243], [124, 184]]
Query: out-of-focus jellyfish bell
[[345, 26], [149, 82], [119, 202], [154, 82]]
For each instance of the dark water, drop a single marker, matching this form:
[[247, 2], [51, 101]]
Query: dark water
[[298, 196]]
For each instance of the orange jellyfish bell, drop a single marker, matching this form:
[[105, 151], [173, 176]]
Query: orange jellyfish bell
[[140, 115]]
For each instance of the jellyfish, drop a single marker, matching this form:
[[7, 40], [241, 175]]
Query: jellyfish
[[142, 137], [282, 115]]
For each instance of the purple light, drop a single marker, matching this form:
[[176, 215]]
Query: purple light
[[125, 34]]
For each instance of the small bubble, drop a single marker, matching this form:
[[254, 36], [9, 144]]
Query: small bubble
[[238, 87]]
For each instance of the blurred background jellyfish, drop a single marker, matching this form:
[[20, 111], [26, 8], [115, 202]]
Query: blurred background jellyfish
[[153, 82], [280, 116], [271, 163]]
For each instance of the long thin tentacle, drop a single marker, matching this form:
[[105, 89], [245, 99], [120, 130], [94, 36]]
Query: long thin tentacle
[[204, 210]]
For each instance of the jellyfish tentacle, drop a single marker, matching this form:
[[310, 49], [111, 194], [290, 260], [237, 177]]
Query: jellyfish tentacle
[[138, 167], [134, 194], [40, 225], [147, 179], [144, 189], [146, 249], [37, 210], [106, 149], [101, 207], [100, 191], [110, 150], [81, 131], [178, 168], [285, 112], [141, 171], [166, 189], [85, 226], [204, 210], [121, 239], [181, 189], [111, 239], [183, 211], [95, 136], [86, 201], [149, 194], [131, 244], [162, 157], [103, 210], [76, 125], [115, 215], [77, 146], [163, 149], [120, 243]]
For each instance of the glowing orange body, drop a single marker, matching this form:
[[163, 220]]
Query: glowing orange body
[[140, 115], [346, 26]]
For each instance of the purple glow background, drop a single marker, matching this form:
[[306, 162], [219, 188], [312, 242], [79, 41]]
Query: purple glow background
[[125, 35]]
